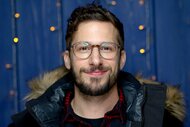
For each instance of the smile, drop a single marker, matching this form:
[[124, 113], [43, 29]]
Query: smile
[[96, 73]]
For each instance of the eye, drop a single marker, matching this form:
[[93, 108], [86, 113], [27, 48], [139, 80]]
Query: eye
[[107, 48], [82, 48]]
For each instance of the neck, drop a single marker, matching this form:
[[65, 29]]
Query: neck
[[94, 106]]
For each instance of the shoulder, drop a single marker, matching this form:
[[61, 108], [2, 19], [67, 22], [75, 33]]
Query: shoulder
[[41, 83], [23, 119], [172, 102]]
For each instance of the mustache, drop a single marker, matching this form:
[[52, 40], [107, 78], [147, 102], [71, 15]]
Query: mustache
[[94, 68]]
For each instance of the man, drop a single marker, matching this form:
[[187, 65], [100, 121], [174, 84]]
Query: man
[[95, 92]]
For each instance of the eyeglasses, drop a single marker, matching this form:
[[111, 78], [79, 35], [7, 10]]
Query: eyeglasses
[[107, 50]]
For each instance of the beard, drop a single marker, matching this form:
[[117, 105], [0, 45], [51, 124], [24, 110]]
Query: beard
[[95, 86]]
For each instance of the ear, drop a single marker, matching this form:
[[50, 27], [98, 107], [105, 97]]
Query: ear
[[122, 59], [66, 58]]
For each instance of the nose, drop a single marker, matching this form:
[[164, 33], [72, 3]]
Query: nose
[[95, 58]]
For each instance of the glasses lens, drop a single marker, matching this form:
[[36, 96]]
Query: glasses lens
[[108, 50], [82, 50]]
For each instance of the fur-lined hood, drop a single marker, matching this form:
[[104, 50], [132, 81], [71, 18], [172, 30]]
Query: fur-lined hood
[[174, 97]]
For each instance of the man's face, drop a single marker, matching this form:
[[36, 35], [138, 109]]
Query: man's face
[[95, 75]]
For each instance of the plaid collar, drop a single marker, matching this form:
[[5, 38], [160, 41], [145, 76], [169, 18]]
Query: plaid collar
[[118, 112]]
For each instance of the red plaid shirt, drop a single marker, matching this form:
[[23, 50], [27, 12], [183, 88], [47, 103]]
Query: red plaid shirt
[[115, 117]]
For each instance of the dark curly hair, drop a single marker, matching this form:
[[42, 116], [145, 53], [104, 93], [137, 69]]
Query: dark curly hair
[[88, 13]]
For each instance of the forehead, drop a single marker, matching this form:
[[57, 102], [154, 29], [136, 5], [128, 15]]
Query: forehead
[[95, 31]]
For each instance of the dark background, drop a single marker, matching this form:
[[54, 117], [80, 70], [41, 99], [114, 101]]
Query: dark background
[[165, 38]]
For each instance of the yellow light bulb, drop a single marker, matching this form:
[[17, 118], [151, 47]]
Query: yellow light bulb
[[141, 27], [52, 28], [15, 39], [17, 15], [142, 51]]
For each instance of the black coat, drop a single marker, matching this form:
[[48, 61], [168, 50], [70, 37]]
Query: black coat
[[145, 104]]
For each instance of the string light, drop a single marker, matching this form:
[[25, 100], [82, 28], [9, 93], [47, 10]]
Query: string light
[[142, 51], [113, 2], [52, 28], [17, 15], [58, 4], [12, 93], [15, 39], [141, 27], [141, 2], [8, 66]]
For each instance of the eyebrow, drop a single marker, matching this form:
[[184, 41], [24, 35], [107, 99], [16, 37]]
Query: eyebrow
[[95, 44]]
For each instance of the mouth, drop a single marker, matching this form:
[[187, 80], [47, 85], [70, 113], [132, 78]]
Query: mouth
[[97, 73]]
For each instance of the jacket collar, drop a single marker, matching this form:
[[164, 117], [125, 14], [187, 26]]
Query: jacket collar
[[47, 108]]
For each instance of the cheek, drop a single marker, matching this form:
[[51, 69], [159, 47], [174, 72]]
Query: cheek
[[76, 65], [115, 66]]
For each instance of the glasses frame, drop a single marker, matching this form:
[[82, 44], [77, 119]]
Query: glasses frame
[[118, 48]]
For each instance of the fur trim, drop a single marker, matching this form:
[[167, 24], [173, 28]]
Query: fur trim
[[175, 102], [39, 85], [174, 97]]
